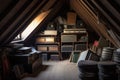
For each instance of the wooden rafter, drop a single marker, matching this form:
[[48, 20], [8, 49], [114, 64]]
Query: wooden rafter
[[85, 13]]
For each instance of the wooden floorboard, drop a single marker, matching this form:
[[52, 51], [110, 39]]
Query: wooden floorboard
[[57, 70]]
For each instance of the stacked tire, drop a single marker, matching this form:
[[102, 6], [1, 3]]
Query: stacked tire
[[88, 70], [107, 70], [107, 54]]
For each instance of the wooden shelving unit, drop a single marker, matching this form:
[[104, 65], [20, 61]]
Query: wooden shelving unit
[[48, 44], [74, 40]]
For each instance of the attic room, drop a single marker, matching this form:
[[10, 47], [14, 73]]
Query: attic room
[[59, 40]]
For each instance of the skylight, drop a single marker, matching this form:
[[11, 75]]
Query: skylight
[[36, 21]]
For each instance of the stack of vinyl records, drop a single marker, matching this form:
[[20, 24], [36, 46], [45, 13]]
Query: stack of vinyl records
[[88, 70], [118, 72], [116, 57], [107, 70], [107, 54]]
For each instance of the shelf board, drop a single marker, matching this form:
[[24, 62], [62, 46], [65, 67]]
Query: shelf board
[[50, 51], [73, 33], [43, 35], [66, 51], [76, 42], [47, 43]]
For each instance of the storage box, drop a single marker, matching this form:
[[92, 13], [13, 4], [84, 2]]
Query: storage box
[[42, 48], [68, 38], [88, 55], [40, 39], [71, 18], [50, 32], [53, 48], [80, 47], [24, 58], [45, 40], [44, 57], [50, 39], [66, 48], [54, 57]]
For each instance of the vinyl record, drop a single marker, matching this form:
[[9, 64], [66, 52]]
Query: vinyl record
[[116, 56], [107, 54]]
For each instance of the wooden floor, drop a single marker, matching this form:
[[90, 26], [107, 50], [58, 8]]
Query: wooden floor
[[57, 70]]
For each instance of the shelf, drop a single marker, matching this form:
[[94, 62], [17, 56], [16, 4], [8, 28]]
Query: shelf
[[66, 51], [73, 40], [49, 51], [47, 43], [43, 35], [73, 33], [76, 42]]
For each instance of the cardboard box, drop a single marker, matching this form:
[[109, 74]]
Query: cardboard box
[[53, 48], [50, 32], [42, 48], [71, 18], [54, 57]]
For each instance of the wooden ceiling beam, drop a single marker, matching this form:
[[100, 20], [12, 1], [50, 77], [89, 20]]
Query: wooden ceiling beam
[[24, 19], [83, 13], [11, 14], [17, 24], [111, 8], [12, 28], [48, 5], [117, 1], [107, 16]]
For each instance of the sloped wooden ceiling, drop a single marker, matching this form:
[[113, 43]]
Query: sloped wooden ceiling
[[102, 15], [54, 11], [21, 14], [90, 14]]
